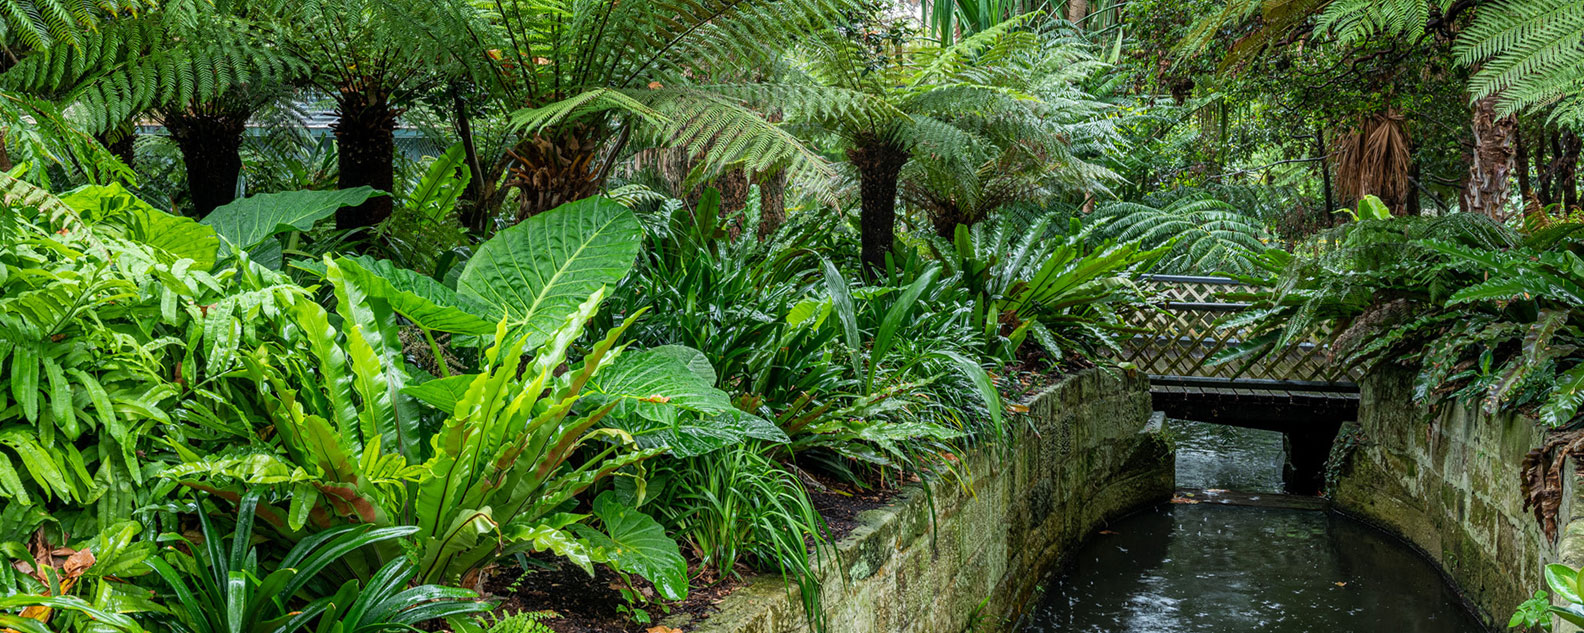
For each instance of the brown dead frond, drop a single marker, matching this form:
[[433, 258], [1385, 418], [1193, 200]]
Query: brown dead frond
[[1372, 158]]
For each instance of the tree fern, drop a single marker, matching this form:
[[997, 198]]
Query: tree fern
[[1207, 235], [161, 58], [41, 24], [1357, 20], [589, 77], [1531, 54]]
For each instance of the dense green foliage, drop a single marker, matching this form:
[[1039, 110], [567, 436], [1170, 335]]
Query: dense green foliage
[[634, 289]]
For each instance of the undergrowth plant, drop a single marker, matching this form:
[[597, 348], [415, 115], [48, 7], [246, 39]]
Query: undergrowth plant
[[1035, 281], [1420, 293]]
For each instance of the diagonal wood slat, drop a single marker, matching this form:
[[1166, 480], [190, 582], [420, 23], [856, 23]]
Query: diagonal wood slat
[[1179, 337]]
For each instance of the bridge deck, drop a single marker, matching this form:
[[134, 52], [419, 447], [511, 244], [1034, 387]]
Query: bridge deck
[[1262, 408], [1297, 390]]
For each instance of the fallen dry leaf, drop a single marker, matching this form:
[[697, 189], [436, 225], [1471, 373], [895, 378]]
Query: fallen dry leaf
[[79, 562], [662, 629], [1340, 584], [1109, 532]]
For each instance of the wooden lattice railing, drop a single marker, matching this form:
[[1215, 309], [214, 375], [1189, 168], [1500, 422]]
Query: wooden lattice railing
[[1180, 338]]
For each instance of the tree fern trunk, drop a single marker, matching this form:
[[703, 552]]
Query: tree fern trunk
[[878, 164], [945, 220], [5, 154], [1490, 164], [733, 186], [1526, 191], [366, 140], [121, 141], [210, 142], [772, 202], [558, 166]]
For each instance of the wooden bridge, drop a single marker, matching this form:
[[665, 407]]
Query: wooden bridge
[[1296, 391]]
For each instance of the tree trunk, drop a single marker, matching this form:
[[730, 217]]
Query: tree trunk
[[1077, 10], [1543, 171], [945, 220], [1325, 172], [1490, 164], [772, 202], [210, 141], [474, 213], [557, 166], [1567, 171], [1526, 191], [5, 153], [733, 186], [878, 163], [121, 141], [366, 139]]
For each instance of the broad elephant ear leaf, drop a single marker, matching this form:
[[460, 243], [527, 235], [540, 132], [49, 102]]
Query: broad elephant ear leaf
[[635, 543], [246, 222], [537, 273], [429, 304], [692, 358], [181, 238]]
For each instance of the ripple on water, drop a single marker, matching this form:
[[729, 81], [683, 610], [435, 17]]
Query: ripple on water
[[1211, 568]]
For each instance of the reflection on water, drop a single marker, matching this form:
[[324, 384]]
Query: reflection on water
[[1227, 457], [1234, 569], [1211, 568]]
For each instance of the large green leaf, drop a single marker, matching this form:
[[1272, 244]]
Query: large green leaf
[[662, 401], [442, 393], [429, 304], [178, 236], [538, 272], [635, 543], [246, 222], [436, 194]]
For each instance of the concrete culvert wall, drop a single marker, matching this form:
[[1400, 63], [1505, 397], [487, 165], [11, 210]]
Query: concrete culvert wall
[[1088, 451], [1451, 485]]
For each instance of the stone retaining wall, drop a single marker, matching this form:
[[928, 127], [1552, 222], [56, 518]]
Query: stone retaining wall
[[1450, 486], [1088, 451]]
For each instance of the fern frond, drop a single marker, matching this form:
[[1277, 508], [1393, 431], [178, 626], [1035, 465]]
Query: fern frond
[[1207, 235], [1529, 53]]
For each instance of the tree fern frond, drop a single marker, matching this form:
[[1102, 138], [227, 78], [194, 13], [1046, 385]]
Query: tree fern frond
[[1529, 52], [725, 132], [1208, 235], [1356, 20]]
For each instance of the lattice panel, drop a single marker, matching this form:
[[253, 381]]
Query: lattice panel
[[1180, 338]]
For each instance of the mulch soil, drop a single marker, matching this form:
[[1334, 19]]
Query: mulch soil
[[841, 503], [589, 604]]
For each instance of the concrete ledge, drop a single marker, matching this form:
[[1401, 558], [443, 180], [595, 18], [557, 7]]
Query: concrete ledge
[[930, 561]]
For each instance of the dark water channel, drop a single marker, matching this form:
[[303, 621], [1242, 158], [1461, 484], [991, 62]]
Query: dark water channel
[[1212, 568]]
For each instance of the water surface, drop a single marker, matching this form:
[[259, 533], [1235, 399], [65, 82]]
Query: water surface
[[1211, 568], [1215, 456]]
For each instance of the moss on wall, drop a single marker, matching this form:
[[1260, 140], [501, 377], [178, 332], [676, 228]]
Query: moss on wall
[[1450, 485], [1087, 452]]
